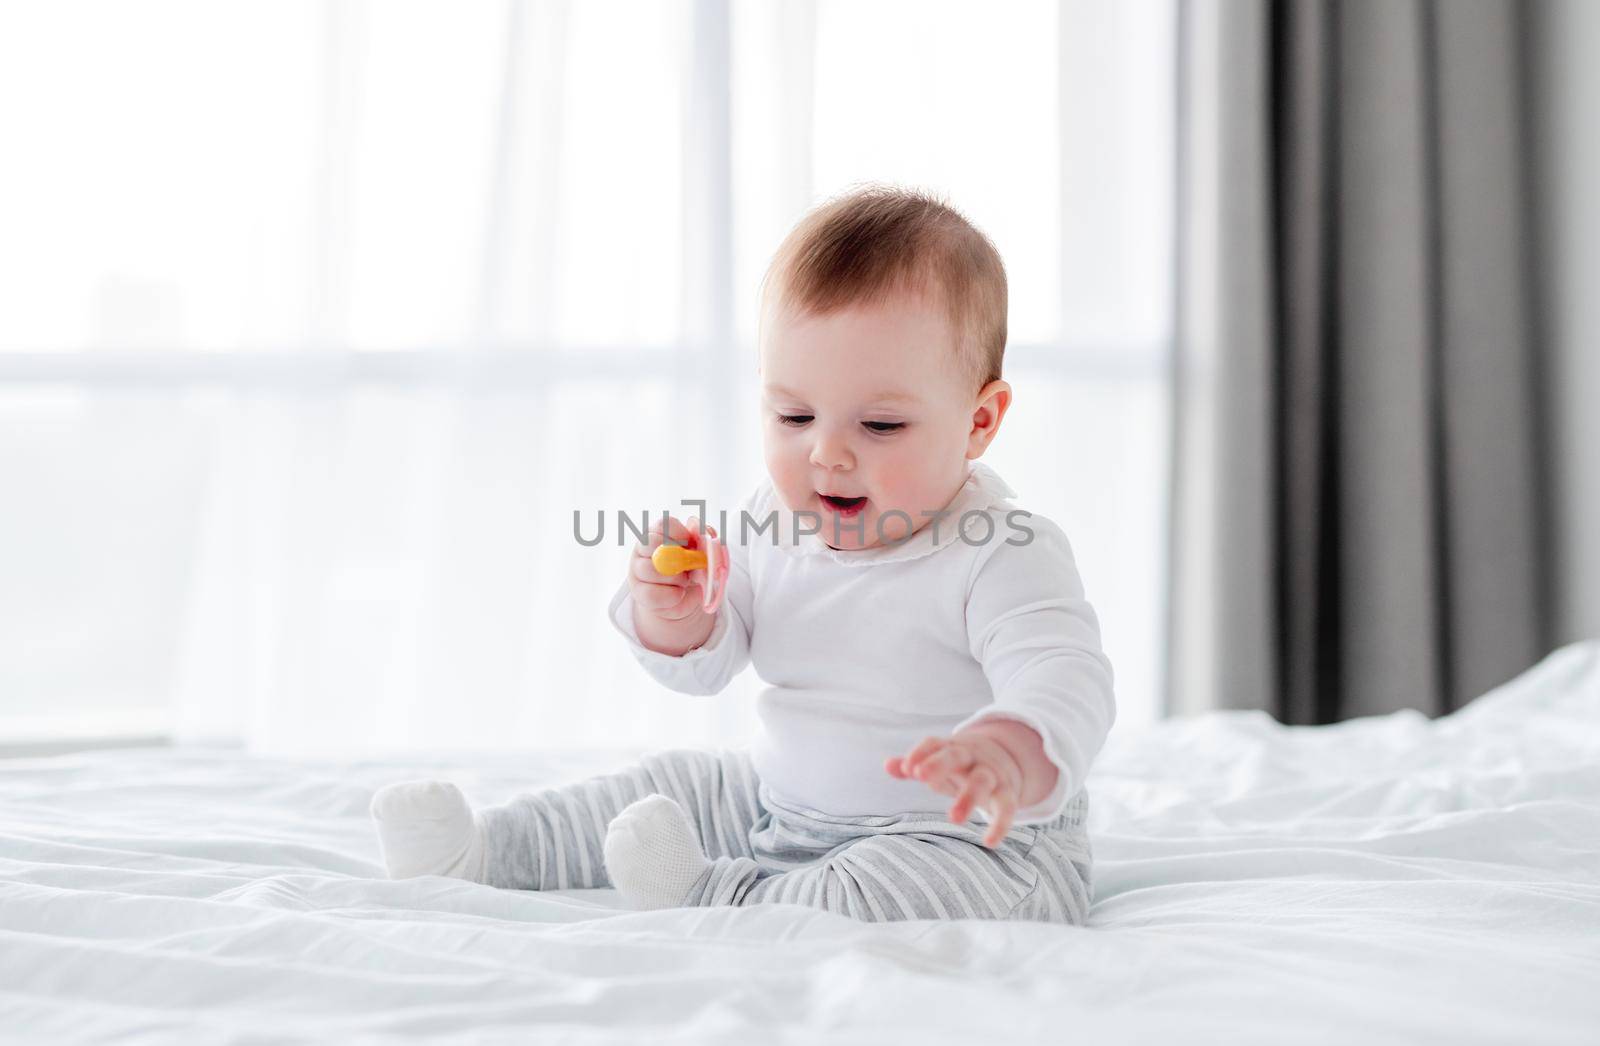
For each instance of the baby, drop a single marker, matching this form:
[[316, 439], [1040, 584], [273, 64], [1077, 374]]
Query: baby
[[919, 635]]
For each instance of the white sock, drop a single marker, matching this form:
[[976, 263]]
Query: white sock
[[652, 855], [427, 828]]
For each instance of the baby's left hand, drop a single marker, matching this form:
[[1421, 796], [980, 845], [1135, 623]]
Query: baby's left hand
[[972, 766]]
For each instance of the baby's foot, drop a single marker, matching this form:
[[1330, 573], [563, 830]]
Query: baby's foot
[[652, 855], [427, 828]]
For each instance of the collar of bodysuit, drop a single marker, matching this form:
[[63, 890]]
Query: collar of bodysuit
[[984, 489]]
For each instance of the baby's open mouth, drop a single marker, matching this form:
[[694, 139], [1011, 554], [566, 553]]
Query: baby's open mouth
[[843, 504]]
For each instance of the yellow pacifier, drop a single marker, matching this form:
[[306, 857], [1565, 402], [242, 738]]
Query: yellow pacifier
[[675, 559], [713, 559]]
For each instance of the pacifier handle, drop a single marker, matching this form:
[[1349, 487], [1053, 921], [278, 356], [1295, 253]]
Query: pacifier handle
[[712, 560], [675, 559]]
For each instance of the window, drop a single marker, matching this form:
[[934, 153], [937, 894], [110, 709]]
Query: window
[[323, 318]]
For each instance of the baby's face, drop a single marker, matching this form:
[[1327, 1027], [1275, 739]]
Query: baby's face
[[867, 402]]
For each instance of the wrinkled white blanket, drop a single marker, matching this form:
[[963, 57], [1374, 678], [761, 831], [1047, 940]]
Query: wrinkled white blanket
[[1387, 879]]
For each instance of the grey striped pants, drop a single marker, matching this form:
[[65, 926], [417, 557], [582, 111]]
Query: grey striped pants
[[901, 866]]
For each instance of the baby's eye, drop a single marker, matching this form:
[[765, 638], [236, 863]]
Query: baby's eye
[[884, 426], [794, 419]]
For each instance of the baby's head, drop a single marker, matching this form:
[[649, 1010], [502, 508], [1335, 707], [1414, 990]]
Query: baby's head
[[883, 325]]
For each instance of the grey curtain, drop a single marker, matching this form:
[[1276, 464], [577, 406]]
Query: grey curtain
[[1359, 517]]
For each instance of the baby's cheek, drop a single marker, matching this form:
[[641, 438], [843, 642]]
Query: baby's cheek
[[786, 476], [905, 489]]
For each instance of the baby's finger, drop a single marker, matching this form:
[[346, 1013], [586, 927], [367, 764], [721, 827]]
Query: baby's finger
[[696, 526], [658, 598], [896, 766], [695, 531], [688, 605], [645, 570], [953, 756], [659, 531], [947, 783], [924, 748], [979, 787], [1002, 810], [646, 548]]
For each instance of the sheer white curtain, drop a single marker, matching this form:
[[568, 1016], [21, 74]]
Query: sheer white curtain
[[323, 319]]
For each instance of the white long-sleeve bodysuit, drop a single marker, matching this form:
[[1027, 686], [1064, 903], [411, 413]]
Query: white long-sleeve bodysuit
[[867, 652]]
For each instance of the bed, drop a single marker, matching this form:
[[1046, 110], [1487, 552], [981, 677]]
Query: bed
[[1391, 879]]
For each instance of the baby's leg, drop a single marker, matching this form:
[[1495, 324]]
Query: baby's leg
[[552, 839], [877, 869], [884, 878]]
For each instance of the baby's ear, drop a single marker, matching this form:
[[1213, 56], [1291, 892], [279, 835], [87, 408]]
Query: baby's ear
[[993, 400]]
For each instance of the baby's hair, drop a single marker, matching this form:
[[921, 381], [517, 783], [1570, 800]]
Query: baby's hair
[[875, 241]]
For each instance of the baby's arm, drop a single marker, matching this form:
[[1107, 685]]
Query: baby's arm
[[996, 766], [668, 616], [1038, 641], [676, 642]]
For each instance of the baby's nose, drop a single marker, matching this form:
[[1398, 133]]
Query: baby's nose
[[831, 452]]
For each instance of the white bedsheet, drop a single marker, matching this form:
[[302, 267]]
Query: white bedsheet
[[1388, 879]]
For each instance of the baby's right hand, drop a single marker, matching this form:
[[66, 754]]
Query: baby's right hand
[[668, 609]]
